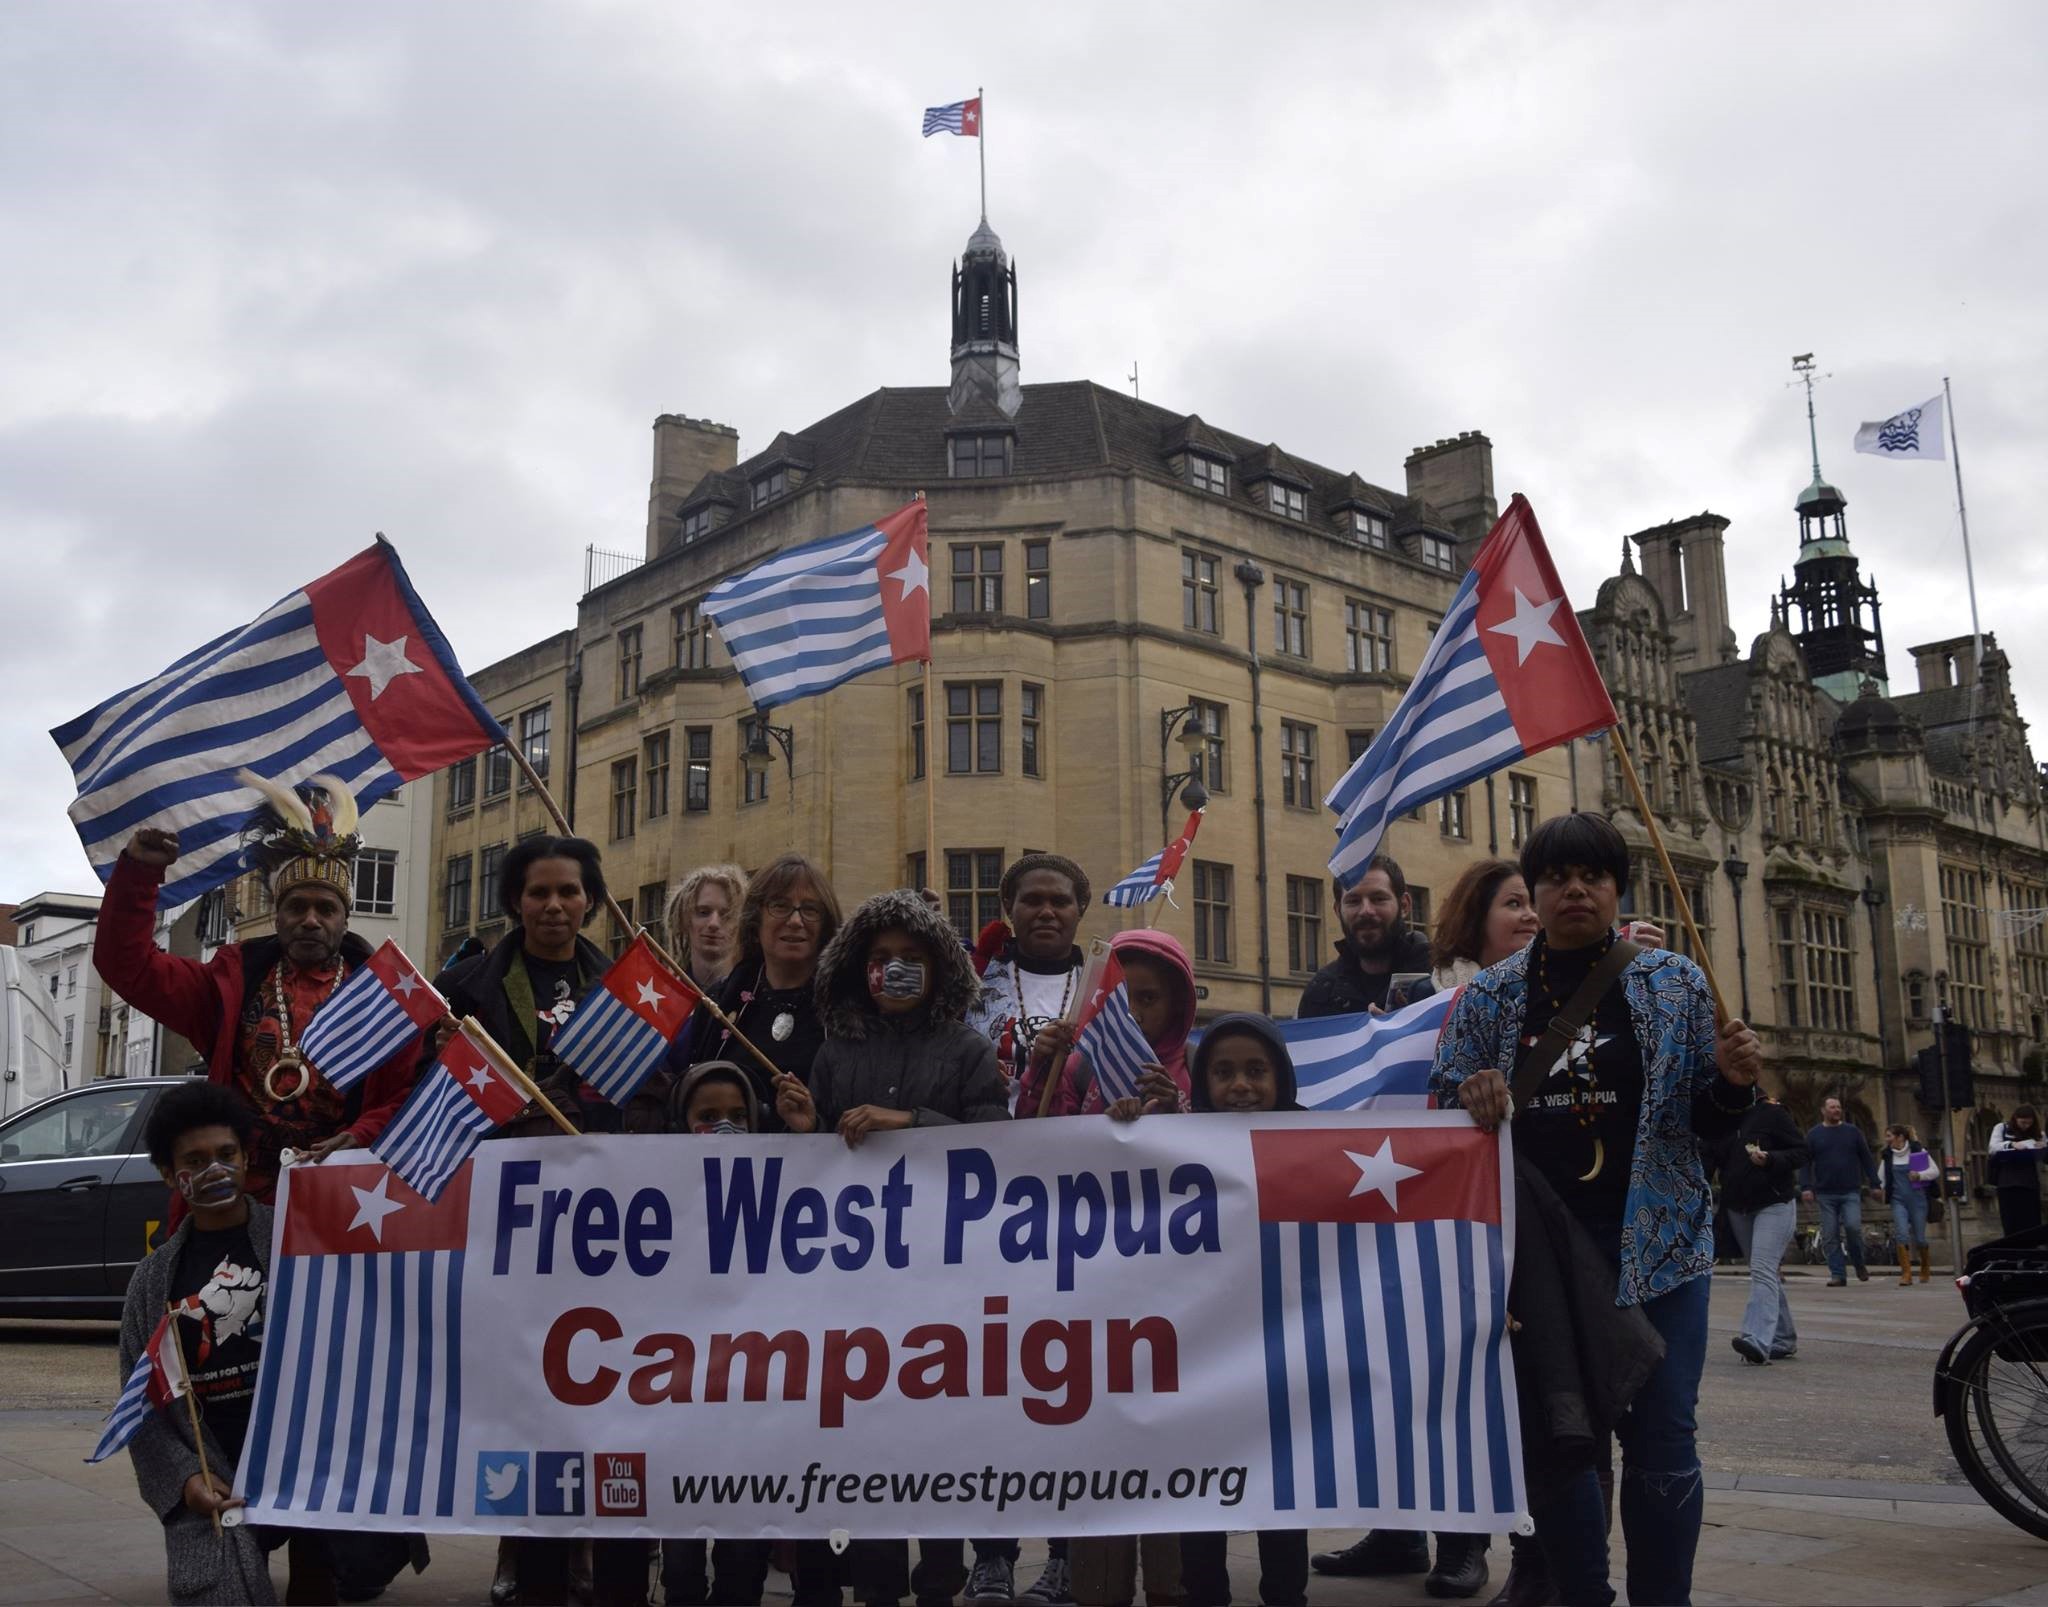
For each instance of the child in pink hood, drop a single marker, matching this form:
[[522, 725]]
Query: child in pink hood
[[1161, 986]]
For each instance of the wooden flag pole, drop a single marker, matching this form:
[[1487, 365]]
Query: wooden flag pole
[[1678, 898], [191, 1405], [509, 1070], [931, 786]]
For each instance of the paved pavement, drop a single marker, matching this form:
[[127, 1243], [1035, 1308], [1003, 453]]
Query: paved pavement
[[1829, 1480]]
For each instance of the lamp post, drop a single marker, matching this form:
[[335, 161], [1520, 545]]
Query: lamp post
[[1251, 577], [759, 760], [1183, 726], [1873, 901], [1736, 870]]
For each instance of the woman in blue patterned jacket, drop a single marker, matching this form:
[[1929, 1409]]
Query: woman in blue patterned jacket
[[1613, 1129]]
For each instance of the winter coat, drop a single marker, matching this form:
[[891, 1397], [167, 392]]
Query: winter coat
[[1338, 989], [1259, 1027], [203, 1566], [1080, 1091], [927, 1061], [1746, 1186], [2009, 1167], [477, 988]]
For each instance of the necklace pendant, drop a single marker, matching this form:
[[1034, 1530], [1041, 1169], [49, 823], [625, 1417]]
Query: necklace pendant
[[782, 1026], [293, 1063]]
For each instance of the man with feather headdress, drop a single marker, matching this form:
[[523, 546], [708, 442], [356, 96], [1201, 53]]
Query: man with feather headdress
[[247, 1007]]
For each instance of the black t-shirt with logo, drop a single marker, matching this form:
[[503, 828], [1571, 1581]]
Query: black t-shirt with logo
[[555, 985], [1579, 1127], [220, 1283]]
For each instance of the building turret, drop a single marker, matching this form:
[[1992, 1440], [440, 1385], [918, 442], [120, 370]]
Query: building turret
[[985, 327], [1839, 629]]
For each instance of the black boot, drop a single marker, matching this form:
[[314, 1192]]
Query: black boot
[[1380, 1551], [1460, 1569], [1528, 1581]]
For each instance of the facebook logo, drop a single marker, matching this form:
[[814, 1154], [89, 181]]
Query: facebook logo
[[501, 1483], [558, 1484]]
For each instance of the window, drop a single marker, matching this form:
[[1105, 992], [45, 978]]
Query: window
[[1651, 897], [625, 797], [1212, 912], [1210, 765], [1680, 793], [1298, 765], [376, 885], [533, 738], [629, 663], [653, 895], [692, 634], [1356, 741], [71, 971], [1031, 711], [497, 771], [978, 579], [616, 944], [916, 697], [1038, 579], [70, 1033], [1198, 593], [1962, 920], [1452, 817], [2025, 904], [1830, 984], [696, 524], [913, 871], [1421, 910], [973, 889], [1289, 501], [461, 786], [654, 765], [1522, 815], [1916, 995], [1209, 474], [1368, 638], [697, 772], [974, 727], [767, 487], [75, 1129], [455, 893], [980, 457], [1369, 528], [753, 783], [1290, 618], [1304, 924], [489, 862], [1439, 552]]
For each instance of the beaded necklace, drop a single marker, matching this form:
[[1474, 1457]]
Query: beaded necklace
[[1018, 1048], [289, 1058]]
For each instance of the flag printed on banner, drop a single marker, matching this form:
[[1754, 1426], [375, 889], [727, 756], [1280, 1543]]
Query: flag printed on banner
[[622, 1031], [1155, 876], [1109, 1036], [819, 614], [1388, 1380], [1340, 1062], [962, 117], [1507, 674], [158, 1378], [462, 1097], [384, 1006], [348, 676], [359, 1393], [1914, 433]]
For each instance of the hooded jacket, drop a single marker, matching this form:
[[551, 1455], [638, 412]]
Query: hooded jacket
[[1080, 1093], [1338, 989], [1244, 1021], [926, 1061]]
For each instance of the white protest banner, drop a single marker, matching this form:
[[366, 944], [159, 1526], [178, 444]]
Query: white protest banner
[[1041, 1328]]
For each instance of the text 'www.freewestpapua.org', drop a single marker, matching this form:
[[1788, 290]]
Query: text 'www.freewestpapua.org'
[[997, 1489]]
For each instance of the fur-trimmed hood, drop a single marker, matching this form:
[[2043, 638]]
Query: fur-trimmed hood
[[841, 987]]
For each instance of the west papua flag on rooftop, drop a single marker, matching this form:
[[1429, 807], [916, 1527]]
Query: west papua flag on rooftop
[[962, 117], [622, 1031], [347, 676], [1507, 674], [816, 615], [383, 1007]]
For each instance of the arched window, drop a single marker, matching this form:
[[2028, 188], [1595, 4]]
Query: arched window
[[1652, 777], [1774, 804], [1680, 799]]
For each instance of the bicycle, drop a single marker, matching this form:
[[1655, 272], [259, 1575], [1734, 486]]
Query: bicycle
[[1991, 1383]]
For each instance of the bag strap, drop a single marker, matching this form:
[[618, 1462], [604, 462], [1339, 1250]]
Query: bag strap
[[1538, 1059]]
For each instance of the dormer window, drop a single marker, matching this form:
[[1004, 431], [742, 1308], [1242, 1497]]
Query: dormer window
[[767, 487], [1289, 501], [1209, 474], [696, 524], [1369, 528], [980, 457], [1439, 552]]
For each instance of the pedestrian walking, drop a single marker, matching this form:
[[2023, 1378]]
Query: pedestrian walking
[[1910, 1173], [1839, 1167], [2016, 1154], [1759, 1165]]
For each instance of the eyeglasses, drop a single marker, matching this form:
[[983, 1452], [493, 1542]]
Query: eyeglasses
[[780, 909]]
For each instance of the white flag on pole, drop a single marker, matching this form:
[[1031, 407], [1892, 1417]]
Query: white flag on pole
[[1915, 433]]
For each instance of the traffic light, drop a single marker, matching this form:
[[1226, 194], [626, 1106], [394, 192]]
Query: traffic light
[[1955, 1044]]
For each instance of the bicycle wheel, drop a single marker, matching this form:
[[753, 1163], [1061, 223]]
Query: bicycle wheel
[[1997, 1414]]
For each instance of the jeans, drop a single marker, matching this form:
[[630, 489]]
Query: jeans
[[1763, 1235], [1841, 1213], [1909, 1217], [1661, 1497]]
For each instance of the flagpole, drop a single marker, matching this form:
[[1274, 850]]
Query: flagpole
[[1969, 570], [981, 147], [508, 1068], [627, 923], [1678, 898], [191, 1405]]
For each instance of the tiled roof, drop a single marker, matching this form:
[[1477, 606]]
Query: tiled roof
[[1719, 701]]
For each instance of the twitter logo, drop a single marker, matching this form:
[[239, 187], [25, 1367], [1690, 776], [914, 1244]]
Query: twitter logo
[[501, 1483]]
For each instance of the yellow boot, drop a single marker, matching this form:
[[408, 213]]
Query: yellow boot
[[1905, 1267], [1926, 1265]]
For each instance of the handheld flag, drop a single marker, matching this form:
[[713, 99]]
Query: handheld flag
[[446, 1116], [1108, 1035], [623, 1029], [962, 117], [1914, 433], [158, 1378], [1155, 876], [348, 675], [822, 613], [1507, 674], [1346, 1062], [377, 1012]]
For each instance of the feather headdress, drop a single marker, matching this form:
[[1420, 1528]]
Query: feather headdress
[[304, 836]]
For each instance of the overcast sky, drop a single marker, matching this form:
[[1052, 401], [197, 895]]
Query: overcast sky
[[280, 276]]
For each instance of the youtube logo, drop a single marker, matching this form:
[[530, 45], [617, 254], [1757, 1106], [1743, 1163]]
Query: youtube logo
[[621, 1483]]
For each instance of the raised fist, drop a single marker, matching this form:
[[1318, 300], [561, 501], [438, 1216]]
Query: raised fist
[[152, 845]]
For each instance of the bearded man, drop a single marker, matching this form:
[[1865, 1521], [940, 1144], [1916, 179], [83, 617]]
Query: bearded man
[[1377, 942]]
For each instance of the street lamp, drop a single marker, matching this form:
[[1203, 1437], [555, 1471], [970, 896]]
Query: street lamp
[[1736, 870], [1183, 726], [1873, 901], [758, 759]]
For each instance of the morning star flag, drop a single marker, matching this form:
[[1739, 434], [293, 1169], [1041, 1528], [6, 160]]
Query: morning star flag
[[962, 117], [157, 1379], [1383, 1260], [1507, 674], [819, 614], [359, 1391], [348, 676], [622, 1031], [1107, 1034], [1342, 1061], [382, 1007], [1914, 433], [1156, 875], [461, 1098]]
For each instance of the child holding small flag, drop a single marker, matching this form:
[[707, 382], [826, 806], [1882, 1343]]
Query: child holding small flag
[[1159, 985]]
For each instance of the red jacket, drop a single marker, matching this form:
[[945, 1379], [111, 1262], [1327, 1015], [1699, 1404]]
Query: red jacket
[[203, 1002]]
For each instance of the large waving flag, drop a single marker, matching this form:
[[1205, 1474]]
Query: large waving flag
[[822, 613], [446, 1116], [1342, 1062], [1507, 674], [158, 1378], [962, 117], [348, 676], [378, 1011], [622, 1031], [1155, 877], [1914, 432]]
